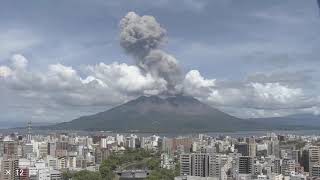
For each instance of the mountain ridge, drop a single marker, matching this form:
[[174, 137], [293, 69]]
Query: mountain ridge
[[171, 114], [157, 114]]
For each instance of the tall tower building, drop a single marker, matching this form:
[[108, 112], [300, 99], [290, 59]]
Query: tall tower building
[[200, 164], [314, 158], [185, 165], [216, 163], [167, 145], [274, 148], [29, 134], [52, 148], [245, 164], [276, 168], [1, 147], [252, 147]]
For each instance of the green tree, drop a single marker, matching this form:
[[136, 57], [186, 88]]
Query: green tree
[[106, 169], [107, 174], [67, 175], [177, 169], [161, 174], [86, 175], [153, 164]]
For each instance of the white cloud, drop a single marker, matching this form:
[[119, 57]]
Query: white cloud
[[126, 78], [100, 84], [196, 85], [5, 71], [19, 61], [274, 92], [194, 77], [260, 96], [112, 84], [273, 99]]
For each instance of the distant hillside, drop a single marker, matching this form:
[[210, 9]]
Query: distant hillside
[[21, 124], [148, 114], [180, 114], [302, 121]]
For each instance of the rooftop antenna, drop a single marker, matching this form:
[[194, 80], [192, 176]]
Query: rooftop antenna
[[29, 135]]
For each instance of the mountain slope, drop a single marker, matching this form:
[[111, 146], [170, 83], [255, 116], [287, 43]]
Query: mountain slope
[[155, 114], [304, 121]]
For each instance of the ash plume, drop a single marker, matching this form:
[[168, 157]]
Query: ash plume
[[142, 38]]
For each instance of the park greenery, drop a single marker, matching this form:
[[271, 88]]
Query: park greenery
[[129, 159]]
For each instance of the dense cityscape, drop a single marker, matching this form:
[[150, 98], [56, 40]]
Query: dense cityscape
[[58, 156]]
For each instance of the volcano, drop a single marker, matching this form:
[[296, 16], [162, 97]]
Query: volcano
[[156, 114]]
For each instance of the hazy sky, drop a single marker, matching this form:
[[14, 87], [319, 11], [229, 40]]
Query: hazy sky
[[251, 58]]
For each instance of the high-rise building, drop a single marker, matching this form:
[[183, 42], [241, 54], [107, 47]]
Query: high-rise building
[[273, 147], [245, 164], [287, 151], [1, 147], [43, 149], [288, 166], [276, 168], [62, 162], [315, 170], [120, 139], [304, 161], [103, 142], [252, 147], [184, 142], [194, 164], [242, 148], [214, 166], [51, 148], [62, 145], [131, 141], [101, 154], [200, 164], [296, 155], [27, 150], [52, 162], [10, 148], [314, 155], [55, 175], [185, 165], [216, 163], [167, 145], [10, 169]]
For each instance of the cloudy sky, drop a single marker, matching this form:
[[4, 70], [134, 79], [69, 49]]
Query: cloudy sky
[[250, 58]]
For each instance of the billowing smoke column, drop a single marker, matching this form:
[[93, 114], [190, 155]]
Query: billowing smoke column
[[142, 37]]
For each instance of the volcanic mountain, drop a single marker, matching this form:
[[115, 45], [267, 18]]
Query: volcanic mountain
[[156, 114]]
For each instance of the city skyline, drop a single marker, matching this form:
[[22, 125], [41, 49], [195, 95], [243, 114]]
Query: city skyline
[[104, 155]]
